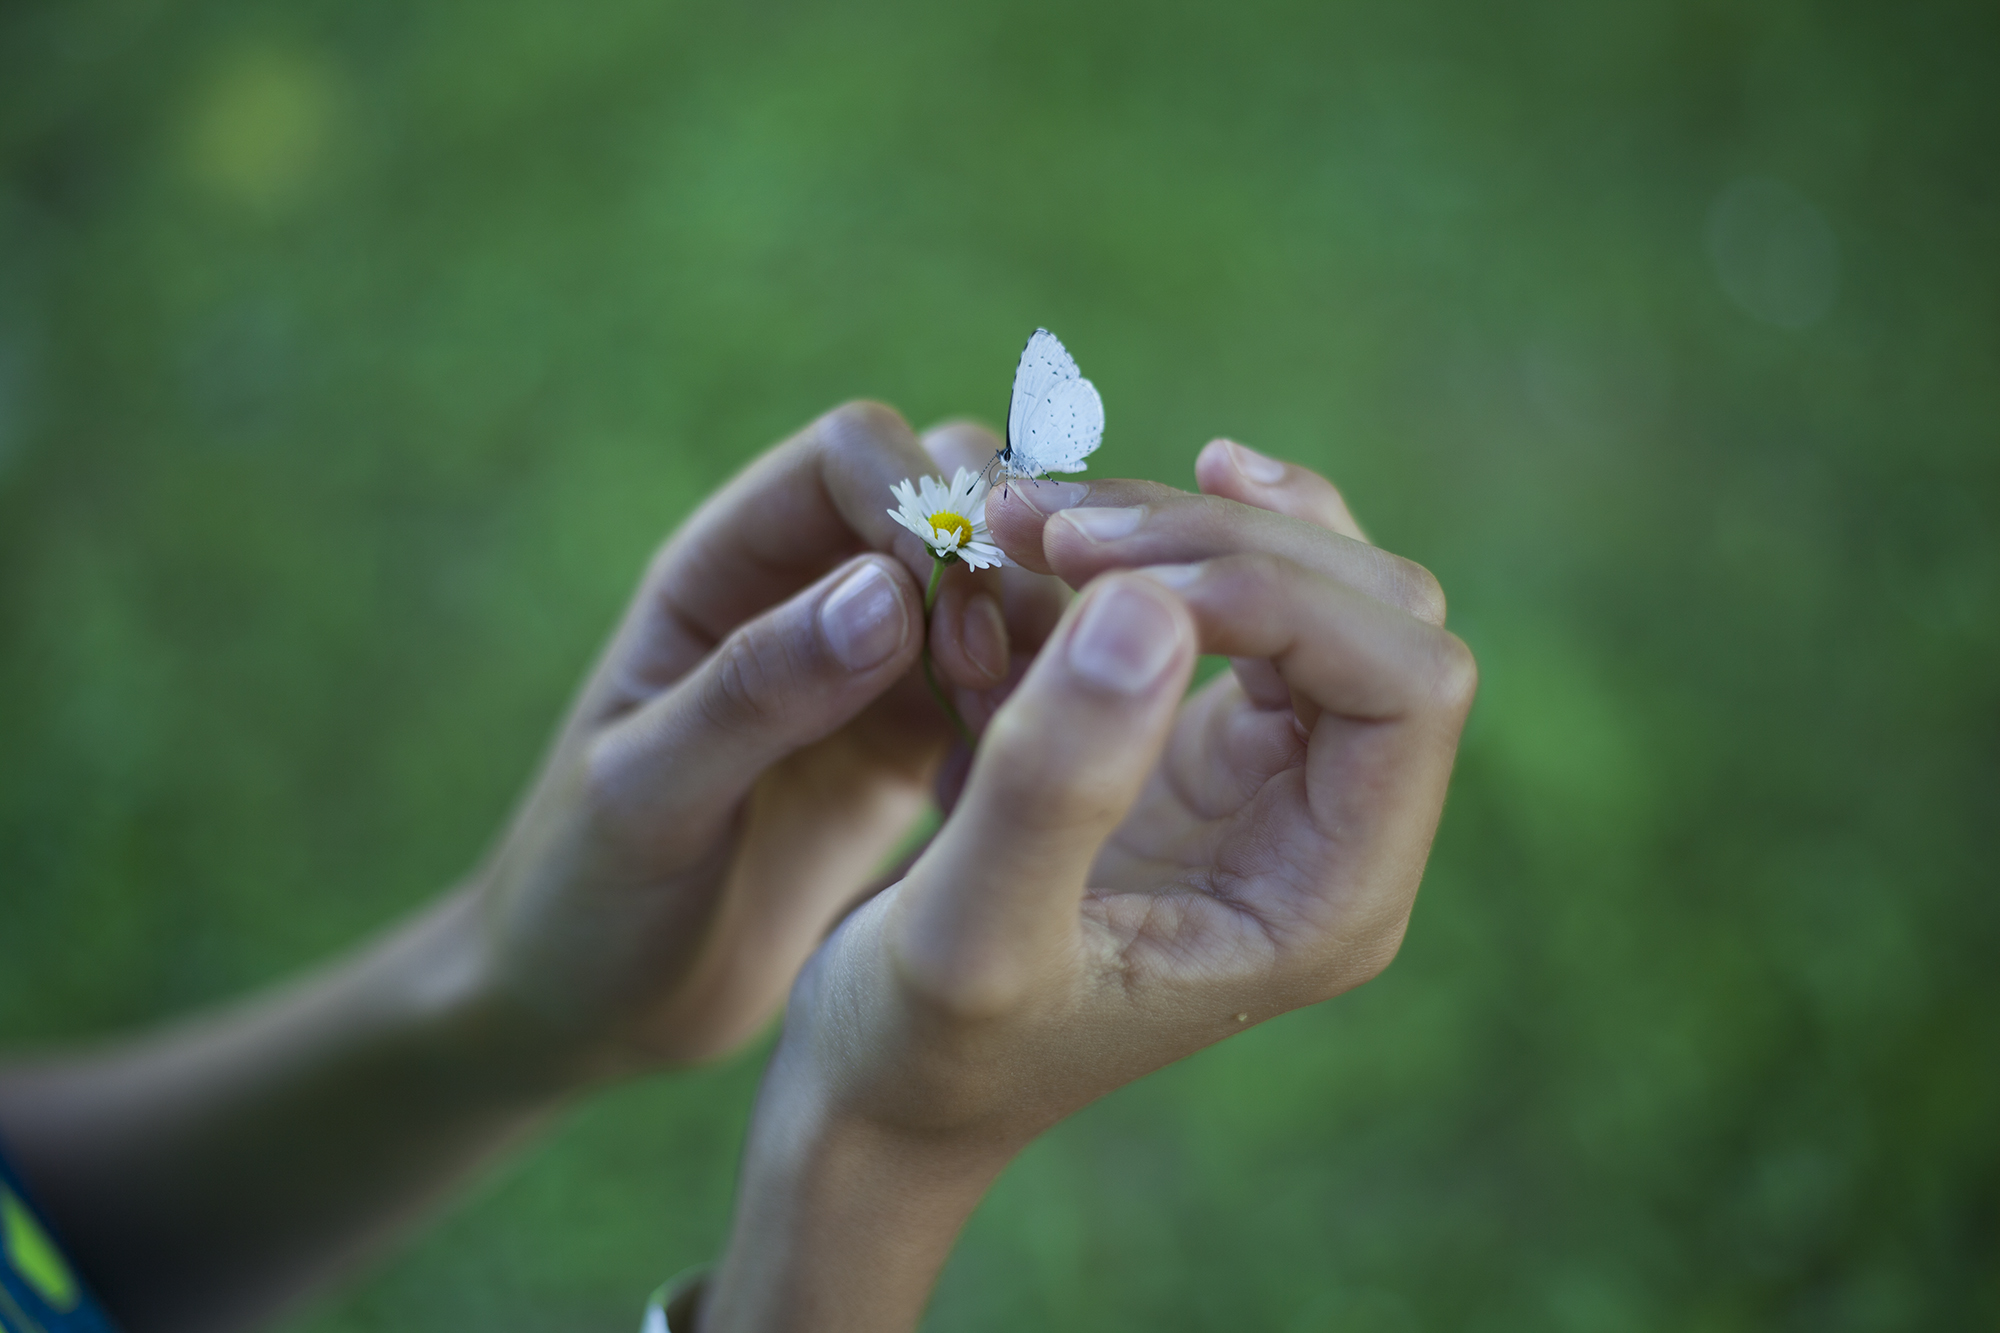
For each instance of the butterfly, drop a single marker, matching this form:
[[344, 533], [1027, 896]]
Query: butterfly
[[1055, 418]]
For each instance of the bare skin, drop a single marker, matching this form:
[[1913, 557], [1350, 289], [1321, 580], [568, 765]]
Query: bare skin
[[748, 750], [1128, 877], [1121, 871]]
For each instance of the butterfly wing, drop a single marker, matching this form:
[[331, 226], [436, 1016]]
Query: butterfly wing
[[1045, 363], [1061, 430]]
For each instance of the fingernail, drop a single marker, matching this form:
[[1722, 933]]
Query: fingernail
[[1048, 497], [1264, 471], [1124, 640], [1174, 576], [986, 636], [863, 618], [1105, 525]]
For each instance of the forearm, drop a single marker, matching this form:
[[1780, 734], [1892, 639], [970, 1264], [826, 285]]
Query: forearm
[[209, 1175], [841, 1226]]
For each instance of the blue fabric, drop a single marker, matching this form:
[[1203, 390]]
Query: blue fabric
[[39, 1290]]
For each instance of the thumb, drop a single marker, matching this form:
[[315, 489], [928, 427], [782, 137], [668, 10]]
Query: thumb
[[994, 898], [778, 683]]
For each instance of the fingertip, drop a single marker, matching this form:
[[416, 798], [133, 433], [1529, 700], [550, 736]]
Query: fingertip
[[1213, 470], [968, 634], [1128, 635], [785, 678], [1237, 471], [865, 618], [1232, 471], [862, 450], [985, 635], [1258, 469], [1016, 526], [1060, 764], [1080, 543]]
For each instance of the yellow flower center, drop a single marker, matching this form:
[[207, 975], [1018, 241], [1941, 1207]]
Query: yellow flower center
[[945, 524]]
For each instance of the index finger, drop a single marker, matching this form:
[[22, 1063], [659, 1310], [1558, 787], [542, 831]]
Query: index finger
[[1127, 524], [786, 519]]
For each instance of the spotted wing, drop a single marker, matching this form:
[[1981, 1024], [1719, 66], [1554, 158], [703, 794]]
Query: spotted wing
[[1045, 363], [1061, 430]]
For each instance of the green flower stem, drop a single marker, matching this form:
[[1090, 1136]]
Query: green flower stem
[[930, 675]]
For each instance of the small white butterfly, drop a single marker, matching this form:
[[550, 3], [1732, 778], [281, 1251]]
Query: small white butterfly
[[1055, 418]]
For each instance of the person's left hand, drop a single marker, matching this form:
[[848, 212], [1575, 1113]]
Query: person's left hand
[[1130, 875]]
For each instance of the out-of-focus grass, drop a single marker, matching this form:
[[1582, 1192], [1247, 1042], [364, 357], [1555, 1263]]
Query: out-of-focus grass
[[353, 356]]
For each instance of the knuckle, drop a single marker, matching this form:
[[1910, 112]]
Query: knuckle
[[1453, 673], [598, 768], [1418, 591], [609, 779], [659, 565], [1252, 575], [1268, 567], [742, 690]]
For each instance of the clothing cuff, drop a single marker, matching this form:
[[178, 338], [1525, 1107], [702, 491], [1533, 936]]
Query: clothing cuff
[[674, 1302]]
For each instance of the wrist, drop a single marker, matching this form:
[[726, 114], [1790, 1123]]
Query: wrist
[[440, 975], [842, 1223]]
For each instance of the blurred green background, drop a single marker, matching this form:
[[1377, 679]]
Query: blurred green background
[[353, 356]]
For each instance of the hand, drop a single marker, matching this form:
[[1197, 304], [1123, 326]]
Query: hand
[[1127, 878], [750, 746], [745, 755]]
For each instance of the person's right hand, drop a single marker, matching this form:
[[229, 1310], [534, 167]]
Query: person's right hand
[[749, 748], [746, 753], [1127, 878]]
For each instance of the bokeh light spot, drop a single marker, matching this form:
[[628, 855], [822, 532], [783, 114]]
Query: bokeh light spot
[[260, 128], [1773, 252]]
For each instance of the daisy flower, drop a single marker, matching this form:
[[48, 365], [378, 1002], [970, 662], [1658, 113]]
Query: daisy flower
[[951, 520]]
